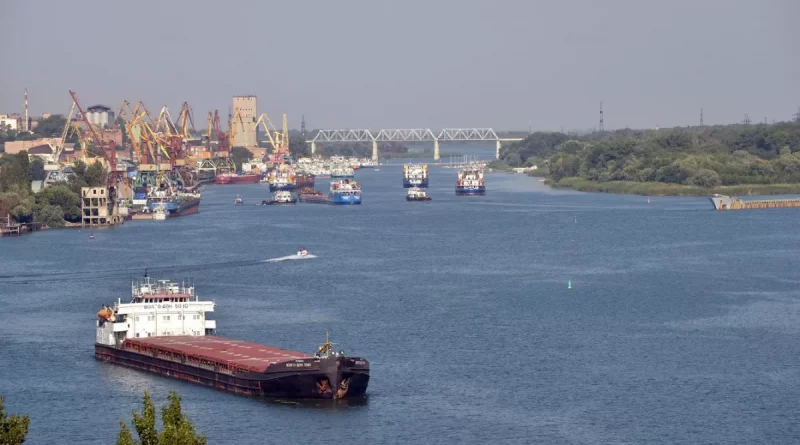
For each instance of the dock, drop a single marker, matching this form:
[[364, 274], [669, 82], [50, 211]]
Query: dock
[[722, 202]]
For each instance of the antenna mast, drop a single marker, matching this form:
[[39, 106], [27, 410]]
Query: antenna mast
[[701, 117], [303, 127], [27, 122], [601, 117], [746, 120], [797, 116]]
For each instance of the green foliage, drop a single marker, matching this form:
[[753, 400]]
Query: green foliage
[[13, 429], [62, 197], [701, 157], [51, 216], [36, 169], [178, 430], [239, 155], [15, 172], [50, 127]]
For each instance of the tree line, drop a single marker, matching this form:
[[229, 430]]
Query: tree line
[[704, 157]]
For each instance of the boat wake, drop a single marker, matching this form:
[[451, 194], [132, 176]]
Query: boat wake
[[290, 257]]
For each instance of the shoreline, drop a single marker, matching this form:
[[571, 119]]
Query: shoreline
[[667, 189]]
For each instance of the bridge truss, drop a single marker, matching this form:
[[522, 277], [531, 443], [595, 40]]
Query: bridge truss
[[408, 135]]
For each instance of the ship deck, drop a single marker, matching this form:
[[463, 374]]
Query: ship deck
[[234, 353]]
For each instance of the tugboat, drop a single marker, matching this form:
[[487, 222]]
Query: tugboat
[[470, 182], [415, 175], [417, 194], [165, 329], [312, 196], [238, 201], [345, 191], [281, 197]]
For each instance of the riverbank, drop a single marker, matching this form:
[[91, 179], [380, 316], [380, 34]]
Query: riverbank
[[666, 189]]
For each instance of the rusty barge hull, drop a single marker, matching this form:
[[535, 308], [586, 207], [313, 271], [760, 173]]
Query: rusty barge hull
[[731, 203], [241, 367]]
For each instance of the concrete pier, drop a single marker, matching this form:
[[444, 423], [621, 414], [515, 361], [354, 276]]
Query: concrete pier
[[375, 151], [436, 149], [313, 147], [722, 202], [497, 154]]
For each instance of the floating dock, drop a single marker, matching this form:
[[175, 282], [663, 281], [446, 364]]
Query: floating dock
[[722, 202]]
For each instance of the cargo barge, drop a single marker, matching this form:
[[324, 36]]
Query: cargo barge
[[165, 330], [312, 196], [722, 202], [304, 180]]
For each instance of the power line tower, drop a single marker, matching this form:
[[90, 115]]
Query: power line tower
[[601, 118], [701, 117], [303, 126], [746, 120], [797, 116]]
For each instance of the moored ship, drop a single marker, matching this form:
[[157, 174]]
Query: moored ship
[[303, 180], [165, 330], [470, 182], [282, 177], [342, 172], [417, 194], [415, 175], [168, 199], [236, 178], [345, 191], [281, 197]]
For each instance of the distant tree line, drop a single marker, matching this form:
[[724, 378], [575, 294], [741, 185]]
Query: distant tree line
[[706, 157]]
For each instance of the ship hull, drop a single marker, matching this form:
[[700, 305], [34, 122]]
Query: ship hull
[[470, 191], [344, 199], [338, 176], [314, 199], [179, 208], [415, 183], [328, 378], [409, 198], [278, 203], [238, 179]]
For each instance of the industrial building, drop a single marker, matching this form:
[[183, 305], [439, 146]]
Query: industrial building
[[100, 116], [247, 108], [10, 121]]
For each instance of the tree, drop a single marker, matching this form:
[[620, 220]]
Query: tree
[[239, 155], [13, 429], [50, 127], [51, 216], [36, 170], [60, 196], [178, 430]]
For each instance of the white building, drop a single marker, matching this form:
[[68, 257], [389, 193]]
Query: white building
[[100, 116], [7, 121]]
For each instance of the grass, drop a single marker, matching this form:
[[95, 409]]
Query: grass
[[665, 189]]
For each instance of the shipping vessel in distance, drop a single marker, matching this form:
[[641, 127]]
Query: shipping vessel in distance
[[281, 197], [417, 194], [282, 177], [304, 180], [470, 182], [415, 175], [237, 178], [342, 172], [345, 191], [165, 330]]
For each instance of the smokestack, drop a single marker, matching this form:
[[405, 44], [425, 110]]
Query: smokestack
[[27, 125]]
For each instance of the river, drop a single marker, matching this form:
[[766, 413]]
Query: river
[[682, 324]]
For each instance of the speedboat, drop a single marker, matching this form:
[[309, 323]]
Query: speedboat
[[302, 252], [238, 201], [91, 236]]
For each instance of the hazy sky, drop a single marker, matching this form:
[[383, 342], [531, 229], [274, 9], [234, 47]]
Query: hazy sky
[[507, 64]]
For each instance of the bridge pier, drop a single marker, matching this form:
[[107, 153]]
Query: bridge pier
[[436, 149], [313, 148], [497, 154], [375, 151]]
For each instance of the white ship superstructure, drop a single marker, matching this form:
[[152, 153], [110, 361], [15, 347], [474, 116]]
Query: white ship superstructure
[[157, 308]]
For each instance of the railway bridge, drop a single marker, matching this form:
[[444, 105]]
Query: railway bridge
[[409, 135]]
